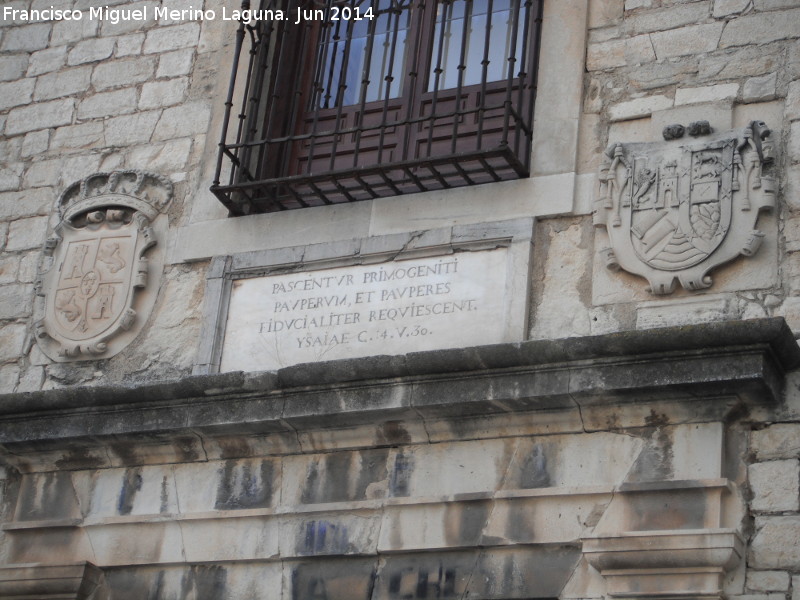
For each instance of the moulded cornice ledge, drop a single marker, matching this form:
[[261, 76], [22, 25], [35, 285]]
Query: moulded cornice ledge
[[740, 360]]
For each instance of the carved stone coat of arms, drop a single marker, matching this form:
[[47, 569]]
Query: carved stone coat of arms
[[676, 209], [104, 266]]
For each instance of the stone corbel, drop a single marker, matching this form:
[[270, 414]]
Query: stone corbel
[[665, 565], [77, 581]]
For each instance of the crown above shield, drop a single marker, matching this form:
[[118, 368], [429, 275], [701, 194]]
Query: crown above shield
[[145, 192]]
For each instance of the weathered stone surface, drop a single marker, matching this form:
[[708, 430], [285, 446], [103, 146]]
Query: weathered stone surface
[[91, 50], [760, 28], [605, 12], [768, 581], [639, 107], [726, 8], [130, 45], [85, 135], [796, 587], [760, 89], [9, 265], [775, 485], [158, 94], [13, 66], [167, 156], [794, 141], [47, 60], [179, 121], [775, 543], [9, 374], [668, 17], [35, 143], [24, 234], [27, 38], [66, 82], [174, 64], [9, 177], [695, 39], [12, 336], [123, 72], [15, 301], [136, 128], [778, 441], [67, 32], [714, 93], [167, 39], [118, 102], [16, 93], [40, 116], [619, 53]]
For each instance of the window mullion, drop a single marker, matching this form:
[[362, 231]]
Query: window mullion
[[365, 82]]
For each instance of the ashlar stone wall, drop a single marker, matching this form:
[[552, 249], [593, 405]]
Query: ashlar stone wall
[[80, 97]]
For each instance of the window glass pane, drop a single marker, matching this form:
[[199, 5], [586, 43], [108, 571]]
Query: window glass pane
[[461, 27], [364, 56]]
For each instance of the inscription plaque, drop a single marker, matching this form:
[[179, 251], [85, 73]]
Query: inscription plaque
[[397, 307]]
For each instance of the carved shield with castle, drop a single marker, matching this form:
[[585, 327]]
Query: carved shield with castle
[[104, 264], [674, 210]]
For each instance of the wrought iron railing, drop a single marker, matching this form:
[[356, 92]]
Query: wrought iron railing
[[423, 95]]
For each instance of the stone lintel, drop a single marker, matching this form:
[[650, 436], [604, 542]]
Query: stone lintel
[[703, 367]]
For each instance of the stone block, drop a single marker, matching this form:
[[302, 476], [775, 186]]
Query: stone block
[[9, 375], [694, 39], [31, 380], [775, 485], [84, 135], [106, 104], [9, 265], [792, 107], [25, 234], [15, 300], [794, 142], [166, 39], [9, 176], [12, 336], [27, 38], [214, 34], [63, 83], [124, 72], [3, 234], [668, 17], [712, 93], [796, 587], [26, 203], [43, 173], [620, 53], [761, 28], [15, 93], [174, 64], [640, 107], [132, 129], [69, 32], [778, 441], [35, 143], [605, 12], [792, 187], [181, 121], [158, 94], [760, 89], [40, 116], [169, 156], [762, 5], [775, 543], [768, 581], [91, 50], [726, 8], [28, 267], [130, 45], [47, 60], [13, 66]]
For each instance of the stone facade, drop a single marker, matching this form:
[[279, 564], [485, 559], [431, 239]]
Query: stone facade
[[614, 443]]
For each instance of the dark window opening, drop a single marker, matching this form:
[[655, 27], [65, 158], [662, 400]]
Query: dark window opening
[[372, 98]]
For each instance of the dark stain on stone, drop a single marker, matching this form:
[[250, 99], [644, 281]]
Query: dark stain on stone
[[464, 522], [46, 496], [241, 486], [131, 484], [401, 475], [654, 462], [656, 420], [186, 448], [164, 495], [204, 582], [157, 589], [323, 537], [312, 476], [392, 433], [234, 447], [79, 458], [373, 469], [534, 473], [519, 523], [348, 579], [126, 453], [684, 509]]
